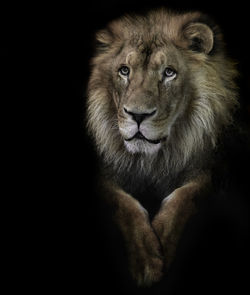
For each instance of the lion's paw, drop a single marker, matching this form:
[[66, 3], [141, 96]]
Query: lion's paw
[[146, 261], [147, 272]]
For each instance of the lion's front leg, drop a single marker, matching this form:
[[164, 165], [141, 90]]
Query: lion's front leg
[[173, 215], [143, 247]]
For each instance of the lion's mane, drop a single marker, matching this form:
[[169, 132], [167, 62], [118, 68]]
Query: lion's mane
[[196, 133]]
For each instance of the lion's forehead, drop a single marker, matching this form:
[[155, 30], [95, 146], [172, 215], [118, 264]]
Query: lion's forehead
[[153, 57]]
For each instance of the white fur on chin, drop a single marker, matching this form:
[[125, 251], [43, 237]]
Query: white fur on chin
[[142, 146]]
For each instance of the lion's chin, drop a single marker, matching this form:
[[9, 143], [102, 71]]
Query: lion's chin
[[142, 146]]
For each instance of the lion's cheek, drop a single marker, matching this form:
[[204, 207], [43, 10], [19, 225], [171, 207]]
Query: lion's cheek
[[153, 132], [128, 129]]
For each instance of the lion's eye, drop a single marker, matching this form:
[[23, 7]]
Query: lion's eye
[[169, 73], [124, 70]]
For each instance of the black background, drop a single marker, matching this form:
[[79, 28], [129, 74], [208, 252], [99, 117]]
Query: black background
[[213, 257], [62, 232]]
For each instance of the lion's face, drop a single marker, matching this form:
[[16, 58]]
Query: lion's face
[[160, 82], [150, 94]]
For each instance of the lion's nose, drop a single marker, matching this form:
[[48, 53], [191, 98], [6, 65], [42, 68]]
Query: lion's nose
[[139, 117]]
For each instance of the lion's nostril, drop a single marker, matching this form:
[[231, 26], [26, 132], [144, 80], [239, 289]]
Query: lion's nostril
[[125, 110], [139, 117]]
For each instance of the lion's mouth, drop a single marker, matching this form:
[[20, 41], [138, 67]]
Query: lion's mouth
[[140, 136]]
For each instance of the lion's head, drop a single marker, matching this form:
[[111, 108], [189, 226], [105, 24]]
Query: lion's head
[[161, 86]]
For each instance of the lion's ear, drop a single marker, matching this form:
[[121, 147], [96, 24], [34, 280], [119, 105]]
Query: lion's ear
[[104, 38], [199, 37]]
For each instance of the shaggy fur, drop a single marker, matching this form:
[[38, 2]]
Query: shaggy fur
[[184, 115], [212, 100]]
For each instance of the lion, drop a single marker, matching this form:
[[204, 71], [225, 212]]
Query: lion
[[161, 91]]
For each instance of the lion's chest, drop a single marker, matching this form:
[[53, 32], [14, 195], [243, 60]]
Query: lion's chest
[[149, 194]]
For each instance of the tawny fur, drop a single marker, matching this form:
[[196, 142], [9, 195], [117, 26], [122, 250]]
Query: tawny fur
[[211, 76], [188, 111]]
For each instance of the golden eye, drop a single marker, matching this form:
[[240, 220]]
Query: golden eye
[[124, 70]]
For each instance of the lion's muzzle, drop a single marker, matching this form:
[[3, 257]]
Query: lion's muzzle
[[139, 117]]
